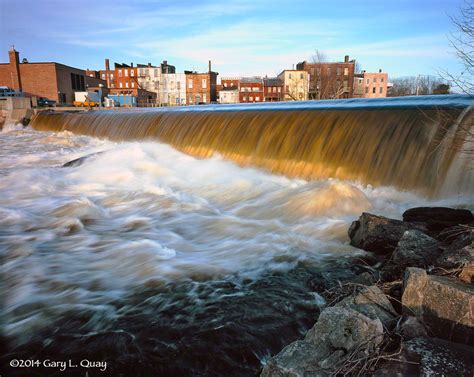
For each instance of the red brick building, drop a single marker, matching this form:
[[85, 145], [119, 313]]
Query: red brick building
[[251, 89], [230, 82], [52, 80], [329, 80], [272, 89], [201, 87]]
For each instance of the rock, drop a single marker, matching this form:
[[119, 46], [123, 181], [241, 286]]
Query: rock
[[298, 359], [338, 333], [413, 328], [416, 249], [460, 255], [437, 357], [438, 218], [443, 304], [377, 233], [346, 329], [79, 161], [373, 303], [449, 235], [365, 278]]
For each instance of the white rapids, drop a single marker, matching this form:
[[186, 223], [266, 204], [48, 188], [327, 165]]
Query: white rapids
[[143, 214]]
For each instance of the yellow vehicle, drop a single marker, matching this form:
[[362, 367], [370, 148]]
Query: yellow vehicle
[[85, 103]]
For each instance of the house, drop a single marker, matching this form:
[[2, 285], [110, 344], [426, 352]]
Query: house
[[251, 89], [229, 95], [51, 80], [295, 84], [330, 80], [201, 87], [370, 84], [272, 89]]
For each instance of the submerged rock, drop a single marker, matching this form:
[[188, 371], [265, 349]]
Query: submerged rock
[[412, 327], [438, 218], [443, 304], [416, 249], [377, 233], [79, 161]]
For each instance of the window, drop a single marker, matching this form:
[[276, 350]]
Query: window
[[366, 90], [301, 76], [257, 98], [111, 76], [126, 72], [338, 71], [120, 85], [373, 90], [375, 79], [190, 83], [312, 71], [156, 72], [381, 79], [132, 73], [204, 83], [77, 82], [329, 71], [279, 90], [360, 81], [346, 84], [245, 99], [346, 71], [126, 84], [318, 70], [274, 89], [368, 81], [133, 85], [204, 97], [120, 73], [289, 76], [103, 76], [178, 85], [250, 98], [287, 88], [381, 90], [225, 85]]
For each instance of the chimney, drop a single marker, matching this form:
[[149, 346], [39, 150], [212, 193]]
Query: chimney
[[107, 65], [131, 65], [346, 59], [210, 70], [149, 64], [380, 70], [14, 58]]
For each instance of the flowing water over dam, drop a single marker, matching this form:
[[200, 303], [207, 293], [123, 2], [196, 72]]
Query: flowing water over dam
[[163, 262]]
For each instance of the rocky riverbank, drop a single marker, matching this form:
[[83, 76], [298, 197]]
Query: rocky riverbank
[[410, 313]]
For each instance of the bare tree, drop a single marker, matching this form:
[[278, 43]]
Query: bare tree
[[463, 43], [417, 85]]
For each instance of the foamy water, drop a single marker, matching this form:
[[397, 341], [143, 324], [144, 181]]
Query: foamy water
[[142, 214]]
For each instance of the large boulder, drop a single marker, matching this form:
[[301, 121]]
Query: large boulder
[[339, 333], [438, 218], [416, 249], [444, 305], [377, 233], [373, 303]]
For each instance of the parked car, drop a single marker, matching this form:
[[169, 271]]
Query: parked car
[[44, 102]]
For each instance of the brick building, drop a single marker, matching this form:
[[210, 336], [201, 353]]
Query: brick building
[[230, 82], [52, 80], [330, 80], [272, 89], [201, 87], [251, 89], [370, 84]]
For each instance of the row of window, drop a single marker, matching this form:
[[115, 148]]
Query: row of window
[[126, 85], [203, 83], [251, 99], [250, 89], [328, 71], [301, 76], [197, 98], [374, 90]]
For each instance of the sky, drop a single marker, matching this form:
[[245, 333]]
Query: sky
[[241, 37]]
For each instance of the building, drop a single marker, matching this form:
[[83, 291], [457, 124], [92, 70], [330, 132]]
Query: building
[[295, 84], [173, 89], [108, 75], [230, 82], [370, 84], [229, 95], [201, 87], [51, 80], [330, 80], [251, 89], [272, 89]]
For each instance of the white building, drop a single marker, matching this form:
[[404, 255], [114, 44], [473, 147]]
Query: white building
[[229, 95], [149, 78], [173, 89]]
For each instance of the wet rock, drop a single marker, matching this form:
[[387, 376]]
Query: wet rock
[[79, 161], [437, 357], [416, 249], [412, 327], [377, 233], [365, 278], [373, 303], [298, 359], [449, 235], [443, 304], [438, 218]]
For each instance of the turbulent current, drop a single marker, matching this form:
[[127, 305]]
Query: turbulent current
[[162, 263]]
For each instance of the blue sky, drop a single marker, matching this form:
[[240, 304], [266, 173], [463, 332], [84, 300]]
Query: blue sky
[[242, 37]]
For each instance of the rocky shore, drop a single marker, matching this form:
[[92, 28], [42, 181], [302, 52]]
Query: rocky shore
[[410, 313]]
